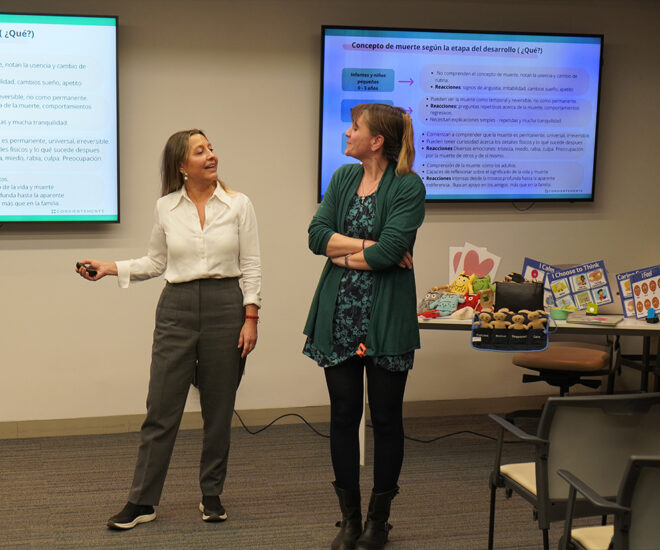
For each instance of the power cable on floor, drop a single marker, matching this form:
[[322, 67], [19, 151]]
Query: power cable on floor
[[279, 418], [311, 427]]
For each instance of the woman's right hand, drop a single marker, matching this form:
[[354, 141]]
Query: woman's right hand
[[407, 261], [102, 269]]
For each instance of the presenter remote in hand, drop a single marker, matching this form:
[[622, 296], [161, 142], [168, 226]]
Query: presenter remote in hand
[[205, 242], [363, 315]]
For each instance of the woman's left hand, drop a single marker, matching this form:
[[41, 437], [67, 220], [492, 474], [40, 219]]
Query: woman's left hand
[[338, 260], [248, 337]]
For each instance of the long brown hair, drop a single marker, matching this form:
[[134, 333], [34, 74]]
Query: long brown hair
[[394, 124], [175, 152]]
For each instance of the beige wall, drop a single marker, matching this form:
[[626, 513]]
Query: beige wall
[[248, 73]]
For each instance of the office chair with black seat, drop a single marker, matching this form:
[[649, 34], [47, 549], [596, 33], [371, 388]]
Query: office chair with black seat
[[635, 510], [591, 436]]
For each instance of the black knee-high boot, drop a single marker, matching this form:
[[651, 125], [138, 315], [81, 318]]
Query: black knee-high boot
[[351, 518], [376, 528]]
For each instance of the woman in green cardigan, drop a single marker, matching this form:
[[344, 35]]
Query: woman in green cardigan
[[363, 315]]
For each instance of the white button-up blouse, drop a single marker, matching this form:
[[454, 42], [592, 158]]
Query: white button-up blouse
[[227, 246]]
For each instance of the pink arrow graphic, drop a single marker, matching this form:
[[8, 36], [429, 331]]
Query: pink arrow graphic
[[409, 81]]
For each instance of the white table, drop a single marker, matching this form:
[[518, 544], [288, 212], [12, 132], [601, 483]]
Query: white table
[[627, 327]]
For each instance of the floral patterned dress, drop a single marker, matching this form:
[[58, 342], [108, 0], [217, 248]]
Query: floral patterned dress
[[354, 301]]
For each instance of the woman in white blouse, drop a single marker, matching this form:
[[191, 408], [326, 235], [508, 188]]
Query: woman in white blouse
[[204, 240]]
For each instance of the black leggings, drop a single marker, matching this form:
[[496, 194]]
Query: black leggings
[[385, 390]]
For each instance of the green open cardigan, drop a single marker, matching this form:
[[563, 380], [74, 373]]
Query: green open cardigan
[[393, 326]]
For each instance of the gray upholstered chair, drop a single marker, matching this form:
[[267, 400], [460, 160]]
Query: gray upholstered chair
[[591, 436], [636, 510]]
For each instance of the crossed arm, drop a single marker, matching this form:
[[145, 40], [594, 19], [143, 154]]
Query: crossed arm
[[349, 252]]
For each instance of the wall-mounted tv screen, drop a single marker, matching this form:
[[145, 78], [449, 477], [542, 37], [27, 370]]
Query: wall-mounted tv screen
[[497, 116], [58, 119]]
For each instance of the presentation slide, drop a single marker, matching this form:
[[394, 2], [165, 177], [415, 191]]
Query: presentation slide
[[58, 119], [496, 116]]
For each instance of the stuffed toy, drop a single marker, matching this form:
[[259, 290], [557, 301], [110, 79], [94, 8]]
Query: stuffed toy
[[425, 303], [484, 321], [465, 313], [537, 320], [482, 283], [499, 319], [471, 300], [447, 304], [429, 314], [518, 323], [462, 284]]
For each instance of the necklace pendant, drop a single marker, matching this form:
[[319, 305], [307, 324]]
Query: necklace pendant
[[362, 199]]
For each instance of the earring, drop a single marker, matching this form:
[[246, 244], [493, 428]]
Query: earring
[[185, 177]]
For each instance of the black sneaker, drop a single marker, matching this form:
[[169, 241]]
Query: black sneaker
[[131, 515], [212, 509]]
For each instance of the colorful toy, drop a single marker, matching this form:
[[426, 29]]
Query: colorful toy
[[429, 314], [425, 303], [447, 304], [471, 300], [482, 283], [461, 285]]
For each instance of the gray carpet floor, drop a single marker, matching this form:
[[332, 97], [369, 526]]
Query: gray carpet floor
[[59, 492]]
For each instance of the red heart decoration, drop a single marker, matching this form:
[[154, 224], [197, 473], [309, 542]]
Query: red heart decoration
[[457, 260], [473, 265]]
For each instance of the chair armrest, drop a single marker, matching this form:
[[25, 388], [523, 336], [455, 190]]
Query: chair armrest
[[505, 425], [576, 485], [606, 506], [515, 430]]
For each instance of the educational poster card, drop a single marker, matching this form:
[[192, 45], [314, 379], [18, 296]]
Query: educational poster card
[[583, 299], [602, 296], [565, 302], [581, 285], [536, 271], [626, 291], [646, 290], [472, 260]]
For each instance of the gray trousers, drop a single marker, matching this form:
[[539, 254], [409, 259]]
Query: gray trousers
[[197, 328]]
